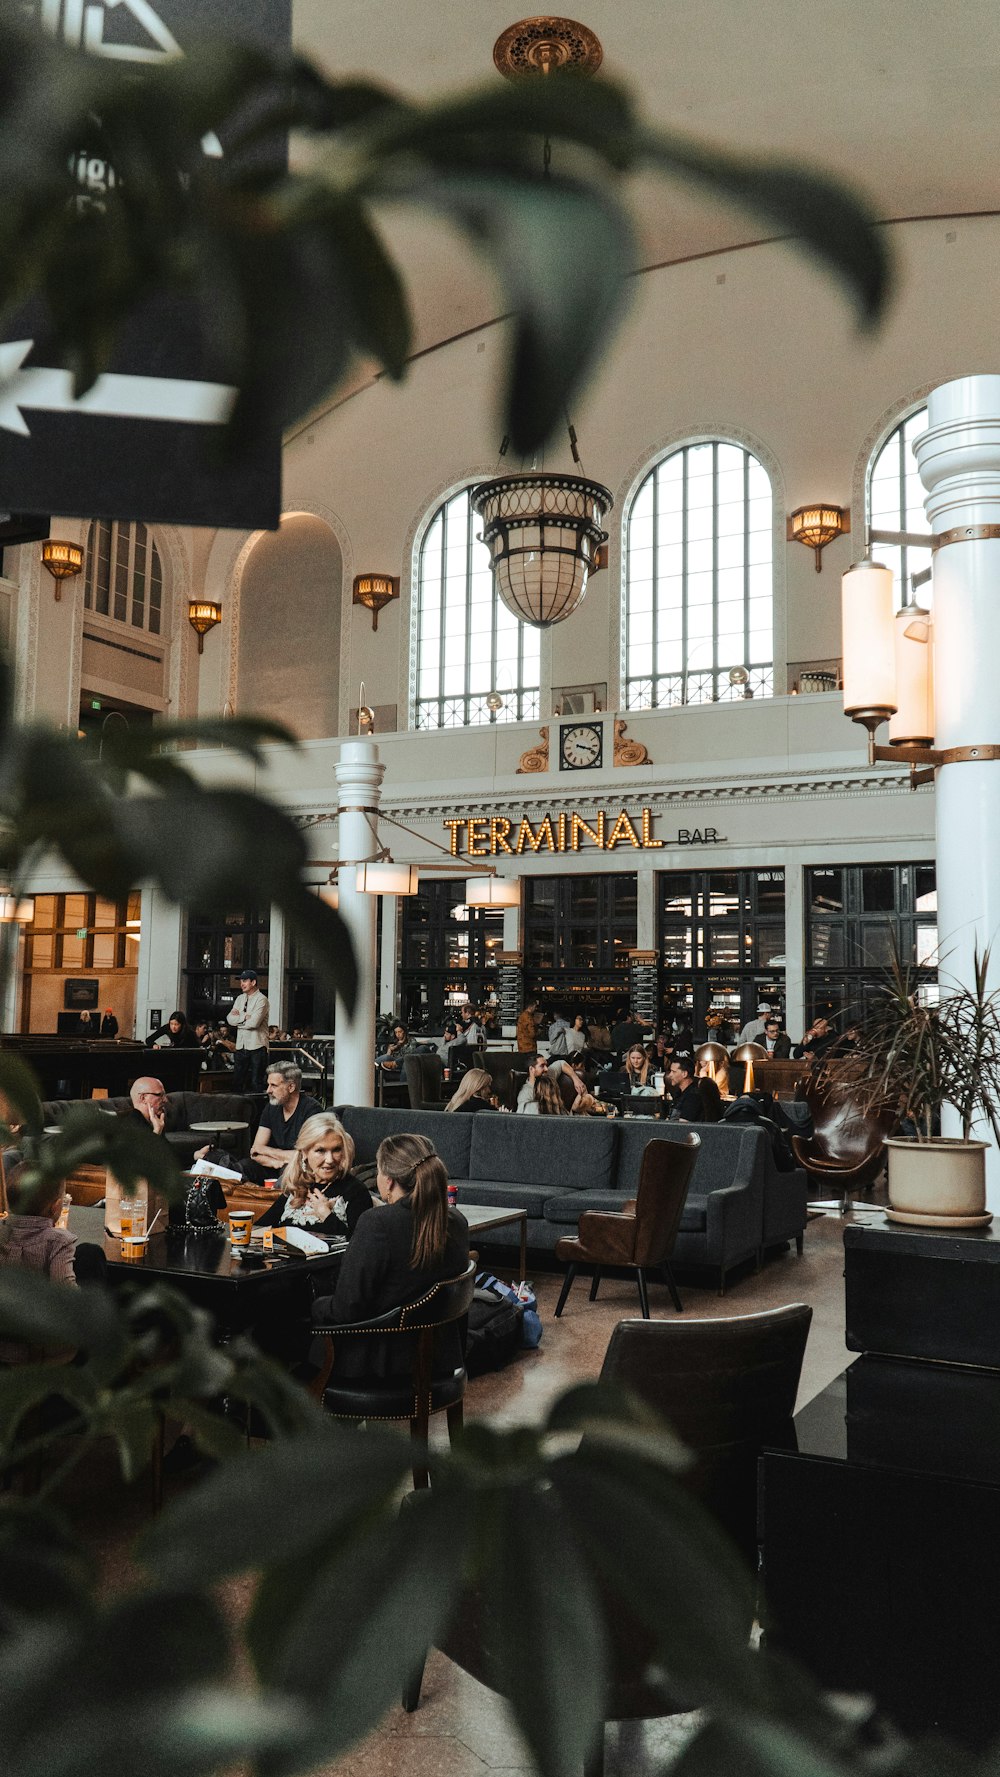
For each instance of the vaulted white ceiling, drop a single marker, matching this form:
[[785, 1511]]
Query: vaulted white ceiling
[[901, 97]]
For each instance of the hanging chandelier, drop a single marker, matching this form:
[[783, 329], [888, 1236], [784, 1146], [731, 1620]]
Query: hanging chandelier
[[544, 531], [545, 536]]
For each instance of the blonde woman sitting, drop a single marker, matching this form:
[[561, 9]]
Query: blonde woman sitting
[[319, 1190], [475, 1092]]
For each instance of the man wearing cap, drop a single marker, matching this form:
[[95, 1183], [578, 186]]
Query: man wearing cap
[[753, 1032], [250, 1016]]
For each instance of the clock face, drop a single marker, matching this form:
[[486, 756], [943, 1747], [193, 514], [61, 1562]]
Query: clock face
[[581, 746]]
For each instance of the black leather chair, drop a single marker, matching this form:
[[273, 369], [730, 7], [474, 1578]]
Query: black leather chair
[[417, 1395], [727, 1387], [425, 1081], [642, 1233]]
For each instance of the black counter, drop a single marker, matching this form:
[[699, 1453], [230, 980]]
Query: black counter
[[880, 1546]]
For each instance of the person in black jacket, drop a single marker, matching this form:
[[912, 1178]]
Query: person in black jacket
[[321, 1193], [396, 1254], [177, 1033], [687, 1100]]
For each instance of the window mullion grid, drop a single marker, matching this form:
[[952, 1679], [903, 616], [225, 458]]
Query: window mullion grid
[[715, 573], [902, 507], [441, 614], [468, 610], [746, 563], [655, 614], [684, 578]]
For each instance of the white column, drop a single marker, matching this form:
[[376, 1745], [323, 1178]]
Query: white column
[[359, 780], [959, 461], [645, 928], [276, 946], [159, 968], [795, 944], [388, 998]]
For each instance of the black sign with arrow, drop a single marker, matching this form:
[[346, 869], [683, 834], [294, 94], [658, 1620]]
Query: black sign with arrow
[[138, 444]]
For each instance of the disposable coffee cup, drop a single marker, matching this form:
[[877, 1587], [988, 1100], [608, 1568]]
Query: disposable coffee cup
[[240, 1224]]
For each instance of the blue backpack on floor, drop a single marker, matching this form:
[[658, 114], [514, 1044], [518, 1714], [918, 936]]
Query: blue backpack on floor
[[524, 1296]]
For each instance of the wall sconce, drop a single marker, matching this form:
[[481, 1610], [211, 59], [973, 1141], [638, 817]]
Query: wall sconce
[[203, 615], [375, 591], [63, 560], [816, 526]]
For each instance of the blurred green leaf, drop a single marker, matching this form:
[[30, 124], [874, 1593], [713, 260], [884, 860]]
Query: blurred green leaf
[[674, 1569], [367, 1621], [55, 1315], [836, 225], [550, 1644], [203, 1535], [561, 251], [20, 1088]]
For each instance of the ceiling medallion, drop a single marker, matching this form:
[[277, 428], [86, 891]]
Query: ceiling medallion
[[544, 45]]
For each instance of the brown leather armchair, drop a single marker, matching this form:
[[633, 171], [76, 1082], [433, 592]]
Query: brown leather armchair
[[846, 1150], [640, 1236]]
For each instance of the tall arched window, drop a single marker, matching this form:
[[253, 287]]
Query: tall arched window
[[124, 578], [467, 643], [896, 505], [699, 597]]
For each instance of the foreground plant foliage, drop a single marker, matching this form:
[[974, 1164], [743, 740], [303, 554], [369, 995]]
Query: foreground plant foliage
[[556, 1527], [287, 273]]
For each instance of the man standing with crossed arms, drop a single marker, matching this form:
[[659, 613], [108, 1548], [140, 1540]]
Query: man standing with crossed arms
[[250, 1016]]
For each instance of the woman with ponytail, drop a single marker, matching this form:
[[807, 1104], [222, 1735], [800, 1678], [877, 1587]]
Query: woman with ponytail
[[395, 1255]]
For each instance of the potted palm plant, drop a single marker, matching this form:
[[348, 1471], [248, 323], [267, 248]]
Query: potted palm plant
[[918, 1058]]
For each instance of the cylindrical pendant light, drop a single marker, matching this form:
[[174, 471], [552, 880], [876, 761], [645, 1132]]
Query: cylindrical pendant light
[[492, 891], [868, 640], [914, 644], [387, 878]]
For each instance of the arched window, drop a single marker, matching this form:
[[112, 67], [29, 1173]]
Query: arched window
[[467, 643], [698, 599], [896, 505], [124, 578]]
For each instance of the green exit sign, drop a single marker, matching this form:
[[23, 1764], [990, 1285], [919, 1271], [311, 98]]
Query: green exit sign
[[95, 703], [81, 931]]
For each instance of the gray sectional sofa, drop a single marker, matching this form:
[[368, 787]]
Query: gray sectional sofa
[[555, 1168]]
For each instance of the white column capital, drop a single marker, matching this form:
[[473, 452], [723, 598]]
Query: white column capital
[[959, 454]]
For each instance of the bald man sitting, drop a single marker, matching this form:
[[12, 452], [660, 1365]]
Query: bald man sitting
[[149, 1103]]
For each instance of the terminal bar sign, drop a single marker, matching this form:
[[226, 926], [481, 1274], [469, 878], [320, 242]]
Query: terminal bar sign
[[493, 836], [142, 442]]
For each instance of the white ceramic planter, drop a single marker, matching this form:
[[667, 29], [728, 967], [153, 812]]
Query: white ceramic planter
[[940, 1183]]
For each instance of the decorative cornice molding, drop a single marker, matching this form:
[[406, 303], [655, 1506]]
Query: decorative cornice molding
[[824, 787]]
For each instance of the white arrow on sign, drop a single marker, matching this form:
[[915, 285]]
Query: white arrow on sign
[[121, 397]]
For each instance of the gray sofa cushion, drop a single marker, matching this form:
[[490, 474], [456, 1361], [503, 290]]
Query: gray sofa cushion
[[565, 1206], [565, 1154], [451, 1134], [564, 1211], [498, 1194], [725, 1153]]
